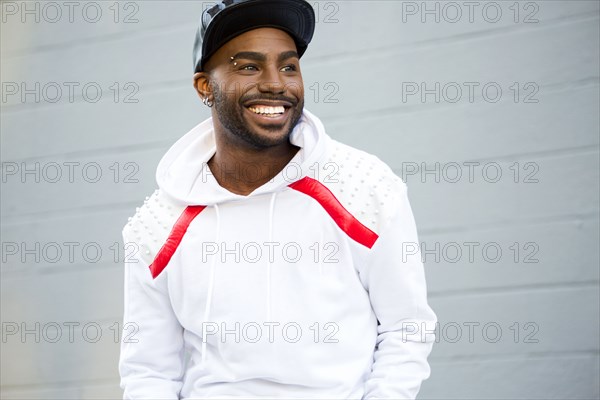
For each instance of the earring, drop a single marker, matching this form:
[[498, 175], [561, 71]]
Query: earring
[[207, 102]]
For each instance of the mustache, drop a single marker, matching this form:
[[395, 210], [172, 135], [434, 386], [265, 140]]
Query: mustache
[[259, 97]]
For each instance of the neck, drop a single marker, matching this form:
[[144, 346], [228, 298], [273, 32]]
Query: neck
[[242, 169]]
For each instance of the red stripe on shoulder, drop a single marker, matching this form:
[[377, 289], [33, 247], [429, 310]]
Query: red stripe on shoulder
[[342, 217], [168, 249]]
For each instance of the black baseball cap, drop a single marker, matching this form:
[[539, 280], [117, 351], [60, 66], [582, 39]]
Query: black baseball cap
[[230, 18]]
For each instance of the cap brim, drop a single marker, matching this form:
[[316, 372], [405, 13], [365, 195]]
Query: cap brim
[[294, 17]]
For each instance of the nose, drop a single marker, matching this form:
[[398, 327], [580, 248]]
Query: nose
[[270, 81]]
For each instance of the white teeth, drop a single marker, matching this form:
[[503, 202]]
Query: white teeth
[[267, 110]]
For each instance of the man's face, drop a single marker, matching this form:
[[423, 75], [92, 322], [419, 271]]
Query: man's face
[[257, 87]]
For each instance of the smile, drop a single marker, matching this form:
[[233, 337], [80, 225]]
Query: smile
[[267, 110]]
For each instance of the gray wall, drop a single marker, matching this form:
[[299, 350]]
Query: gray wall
[[520, 324]]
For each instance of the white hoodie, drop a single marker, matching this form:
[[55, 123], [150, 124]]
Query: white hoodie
[[310, 287]]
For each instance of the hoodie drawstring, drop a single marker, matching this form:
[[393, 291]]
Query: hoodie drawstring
[[271, 212], [211, 284]]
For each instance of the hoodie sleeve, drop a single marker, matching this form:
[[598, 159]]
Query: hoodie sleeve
[[151, 361], [397, 290]]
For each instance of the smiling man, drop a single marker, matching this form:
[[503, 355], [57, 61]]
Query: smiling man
[[273, 261], [258, 100]]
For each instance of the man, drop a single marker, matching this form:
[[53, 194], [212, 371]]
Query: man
[[270, 262]]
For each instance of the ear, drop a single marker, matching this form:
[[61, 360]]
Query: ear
[[202, 84]]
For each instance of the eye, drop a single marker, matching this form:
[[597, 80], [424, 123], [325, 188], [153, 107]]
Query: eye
[[249, 67], [289, 68]]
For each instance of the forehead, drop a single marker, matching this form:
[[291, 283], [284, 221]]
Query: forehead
[[264, 40]]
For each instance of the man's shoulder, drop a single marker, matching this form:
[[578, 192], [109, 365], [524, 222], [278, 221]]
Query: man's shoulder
[[361, 169], [148, 229], [365, 185], [349, 156]]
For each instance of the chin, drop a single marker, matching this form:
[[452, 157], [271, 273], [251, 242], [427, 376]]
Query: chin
[[264, 141], [271, 136]]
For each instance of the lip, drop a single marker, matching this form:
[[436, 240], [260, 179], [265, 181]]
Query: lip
[[263, 119], [268, 103]]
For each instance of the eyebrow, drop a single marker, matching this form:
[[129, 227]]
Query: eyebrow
[[252, 55], [288, 54]]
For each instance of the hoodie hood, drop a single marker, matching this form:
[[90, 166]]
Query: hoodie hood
[[183, 172]]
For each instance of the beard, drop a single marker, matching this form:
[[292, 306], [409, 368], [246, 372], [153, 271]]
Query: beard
[[230, 115]]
